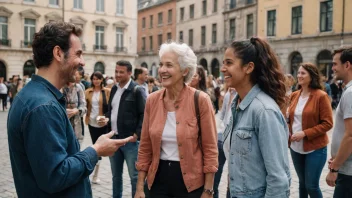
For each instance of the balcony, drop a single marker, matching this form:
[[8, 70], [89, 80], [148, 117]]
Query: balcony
[[5, 42], [121, 49], [99, 47], [26, 44]]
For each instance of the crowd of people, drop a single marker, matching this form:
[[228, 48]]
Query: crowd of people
[[165, 128]]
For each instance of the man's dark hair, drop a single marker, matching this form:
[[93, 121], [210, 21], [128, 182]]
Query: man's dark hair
[[51, 35], [125, 64], [346, 54], [137, 71]]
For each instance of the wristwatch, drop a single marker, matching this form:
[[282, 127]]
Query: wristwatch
[[333, 170], [209, 191]]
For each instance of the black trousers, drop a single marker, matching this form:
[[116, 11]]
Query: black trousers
[[95, 132], [168, 182], [343, 187], [3, 98]]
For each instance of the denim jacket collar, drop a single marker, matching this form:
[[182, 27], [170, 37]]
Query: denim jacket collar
[[249, 97], [49, 86]]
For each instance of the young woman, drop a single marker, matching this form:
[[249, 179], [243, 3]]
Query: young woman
[[255, 140], [97, 98], [199, 80], [310, 118]]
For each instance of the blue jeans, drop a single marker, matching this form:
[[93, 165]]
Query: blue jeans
[[309, 168], [222, 160], [129, 152]]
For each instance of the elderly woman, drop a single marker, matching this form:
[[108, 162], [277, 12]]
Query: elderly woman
[[178, 156]]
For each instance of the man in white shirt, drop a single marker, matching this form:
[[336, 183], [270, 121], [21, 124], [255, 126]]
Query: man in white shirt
[[340, 164], [141, 77]]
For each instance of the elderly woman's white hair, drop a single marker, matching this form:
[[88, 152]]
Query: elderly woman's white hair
[[186, 57]]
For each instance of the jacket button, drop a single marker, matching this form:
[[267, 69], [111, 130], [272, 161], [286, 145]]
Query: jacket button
[[179, 144], [232, 153], [176, 107], [231, 178], [181, 156], [177, 123], [188, 187], [184, 173]]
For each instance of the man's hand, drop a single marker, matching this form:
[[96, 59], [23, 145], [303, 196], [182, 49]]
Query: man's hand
[[71, 112], [331, 179], [105, 146], [296, 137], [135, 138]]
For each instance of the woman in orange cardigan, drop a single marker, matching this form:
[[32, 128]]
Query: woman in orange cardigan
[[310, 118]]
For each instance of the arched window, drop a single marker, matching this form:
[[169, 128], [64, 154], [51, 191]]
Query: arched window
[[324, 63], [296, 60], [99, 66], [28, 68], [204, 63], [215, 68], [154, 70], [144, 65], [3, 70]]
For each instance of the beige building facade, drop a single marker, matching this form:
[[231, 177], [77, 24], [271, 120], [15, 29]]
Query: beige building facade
[[305, 31], [109, 31], [200, 24]]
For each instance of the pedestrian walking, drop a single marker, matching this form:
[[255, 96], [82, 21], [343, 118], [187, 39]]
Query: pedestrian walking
[[256, 139], [178, 152], [3, 94], [340, 164], [310, 118]]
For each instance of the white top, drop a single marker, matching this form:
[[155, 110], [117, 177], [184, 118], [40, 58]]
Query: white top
[[95, 110], [297, 125], [226, 147], [146, 89], [169, 147], [3, 88], [115, 104]]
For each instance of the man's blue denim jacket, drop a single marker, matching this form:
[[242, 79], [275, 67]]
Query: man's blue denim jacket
[[44, 152], [258, 164]]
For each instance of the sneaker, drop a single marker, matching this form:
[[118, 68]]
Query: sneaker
[[96, 180]]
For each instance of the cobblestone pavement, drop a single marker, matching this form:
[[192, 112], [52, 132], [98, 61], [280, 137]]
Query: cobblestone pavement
[[104, 189]]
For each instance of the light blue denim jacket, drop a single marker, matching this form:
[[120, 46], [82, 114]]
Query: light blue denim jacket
[[258, 164]]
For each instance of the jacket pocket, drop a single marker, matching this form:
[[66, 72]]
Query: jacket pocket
[[243, 141], [192, 126]]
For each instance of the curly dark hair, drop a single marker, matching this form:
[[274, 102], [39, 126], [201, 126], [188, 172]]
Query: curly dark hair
[[267, 71], [314, 74], [51, 35], [203, 81]]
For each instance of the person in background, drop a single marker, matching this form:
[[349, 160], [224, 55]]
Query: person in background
[[19, 84], [78, 80], [97, 98], [85, 79], [13, 88], [3, 94], [256, 138], [178, 158], [327, 87], [151, 85], [310, 118], [109, 83], [141, 77], [199, 80], [211, 90]]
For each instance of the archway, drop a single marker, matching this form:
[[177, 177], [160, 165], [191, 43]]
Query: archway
[[324, 63], [144, 64], [204, 63], [295, 60], [29, 68], [99, 66], [3, 72], [215, 68]]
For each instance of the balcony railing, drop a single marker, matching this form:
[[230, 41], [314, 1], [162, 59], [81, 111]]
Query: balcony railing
[[99, 47], [120, 49], [26, 44], [5, 42]]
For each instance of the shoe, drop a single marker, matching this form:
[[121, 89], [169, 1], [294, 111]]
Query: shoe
[[95, 180]]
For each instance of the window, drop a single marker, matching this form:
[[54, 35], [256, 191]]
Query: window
[[151, 21], [271, 31], [150, 43], [78, 4], [143, 44], [119, 39], [143, 22], [204, 7], [232, 4], [160, 18], [190, 37], [54, 2], [326, 16], [191, 11], [119, 7], [100, 6], [297, 20], [250, 25], [213, 34], [169, 36], [29, 30], [160, 39], [99, 37], [232, 29], [169, 16], [203, 35], [99, 66], [3, 30], [181, 36], [215, 5], [249, 1], [182, 14], [29, 0]]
